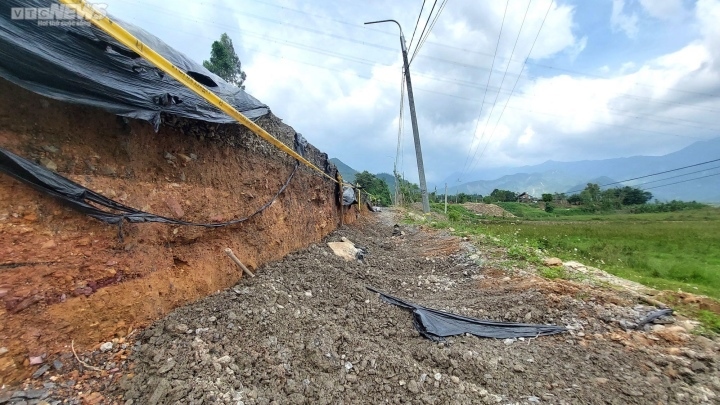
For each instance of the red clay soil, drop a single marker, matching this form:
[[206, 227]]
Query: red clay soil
[[65, 276]]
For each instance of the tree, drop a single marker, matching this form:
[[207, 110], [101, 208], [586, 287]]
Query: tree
[[225, 63], [375, 187], [547, 198], [575, 199], [502, 196], [408, 193]]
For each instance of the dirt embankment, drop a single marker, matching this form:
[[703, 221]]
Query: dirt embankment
[[307, 331], [65, 276]]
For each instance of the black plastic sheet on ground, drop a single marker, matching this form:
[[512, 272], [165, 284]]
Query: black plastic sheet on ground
[[87, 201], [79, 63], [437, 325]]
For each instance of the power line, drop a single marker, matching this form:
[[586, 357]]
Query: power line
[[518, 79], [432, 25], [388, 49], [674, 177], [424, 28], [652, 174], [501, 83], [487, 85], [683, 181], [368, 62], [416, 24], [444, 45]]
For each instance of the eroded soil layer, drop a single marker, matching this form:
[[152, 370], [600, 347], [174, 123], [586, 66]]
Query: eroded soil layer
[[65, 276]]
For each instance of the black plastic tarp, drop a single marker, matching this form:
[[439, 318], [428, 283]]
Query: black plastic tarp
[[88, 201], [349, 196], [81, 64], [437, 325]]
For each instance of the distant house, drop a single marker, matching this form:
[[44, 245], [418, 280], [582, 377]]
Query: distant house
[[526, 198]]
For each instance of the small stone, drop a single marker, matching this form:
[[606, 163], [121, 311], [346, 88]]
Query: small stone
[[50, 149], [48, 163], [57, 365], [169, 156], [684, 371], [48, 245], [184, 157], [698, 367], [193, 156], [413, 387], [225, 360], [600, 380], [3, 350], [42, 370], [181, 328], [455, 379], [509, 341], [212, 319], [437, 376], [528, 316], [175, 207], [348, 365], [169, 364], [552, 261], [308, 293], [35, 360], [518, 368], [107, 346]]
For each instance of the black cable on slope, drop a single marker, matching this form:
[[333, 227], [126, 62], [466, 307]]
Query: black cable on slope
[[87, 201]]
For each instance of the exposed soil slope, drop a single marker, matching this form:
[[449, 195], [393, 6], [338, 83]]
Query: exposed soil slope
[[65, 276]]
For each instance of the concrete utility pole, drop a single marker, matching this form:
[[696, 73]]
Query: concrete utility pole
[[446, 198], [413, 118]]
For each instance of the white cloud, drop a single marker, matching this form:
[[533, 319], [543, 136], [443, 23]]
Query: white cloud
[[664, 9], [619, 21], [338, 82]]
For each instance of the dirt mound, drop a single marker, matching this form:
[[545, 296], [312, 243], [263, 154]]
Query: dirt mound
[[306, 330], [489, 210]]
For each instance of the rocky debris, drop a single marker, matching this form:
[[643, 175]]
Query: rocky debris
[[50, 149], [174, 207], [488, 210], [552, 261], [63, 380], [305, 330], [344, 249], [107, 346]]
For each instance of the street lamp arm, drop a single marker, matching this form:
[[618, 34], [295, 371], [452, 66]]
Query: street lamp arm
[[402, 37]]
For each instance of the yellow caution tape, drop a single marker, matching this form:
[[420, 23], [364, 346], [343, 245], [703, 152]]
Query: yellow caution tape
[[129, 40]]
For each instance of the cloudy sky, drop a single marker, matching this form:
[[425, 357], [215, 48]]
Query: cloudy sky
[[497, 83]]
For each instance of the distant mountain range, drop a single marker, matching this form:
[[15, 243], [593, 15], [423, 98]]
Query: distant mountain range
[[572, 177], [347, 172]]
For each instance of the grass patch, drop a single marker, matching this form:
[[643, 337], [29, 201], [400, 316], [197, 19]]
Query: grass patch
[[665, 250], [710, 320]]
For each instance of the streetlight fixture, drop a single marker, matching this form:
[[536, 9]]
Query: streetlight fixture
[[413, 118]]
